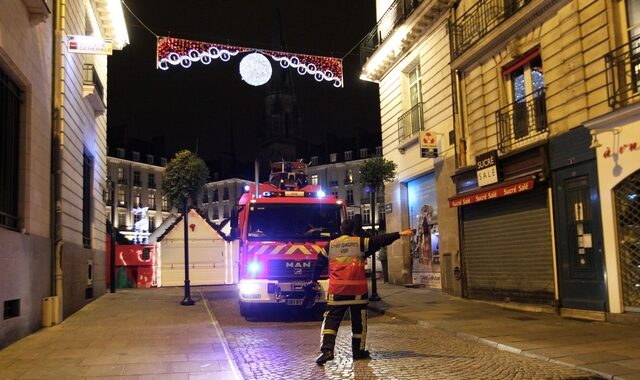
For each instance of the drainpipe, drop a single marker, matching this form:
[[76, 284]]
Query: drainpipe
[[57, 147]]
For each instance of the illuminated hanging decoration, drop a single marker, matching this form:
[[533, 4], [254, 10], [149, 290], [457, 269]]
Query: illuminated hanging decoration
[[255, 69], [176, 51]]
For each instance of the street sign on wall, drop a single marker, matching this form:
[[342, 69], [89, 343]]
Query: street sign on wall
[[89, 45], [428, 144]]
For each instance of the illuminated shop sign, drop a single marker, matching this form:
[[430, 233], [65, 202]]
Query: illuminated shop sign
[[487, 168], [503, 191], [89, 45]]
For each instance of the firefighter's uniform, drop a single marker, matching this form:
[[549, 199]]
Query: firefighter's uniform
[[346, 256]]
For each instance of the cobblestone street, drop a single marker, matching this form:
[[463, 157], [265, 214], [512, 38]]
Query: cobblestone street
[[286, 349]]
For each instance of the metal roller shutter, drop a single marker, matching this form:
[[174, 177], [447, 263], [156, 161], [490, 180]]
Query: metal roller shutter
[[507, 249]]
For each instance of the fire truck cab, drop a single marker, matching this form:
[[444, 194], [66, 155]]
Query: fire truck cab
[[280, 228]]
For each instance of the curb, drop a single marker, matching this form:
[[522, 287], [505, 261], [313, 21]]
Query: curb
[[490, 343]]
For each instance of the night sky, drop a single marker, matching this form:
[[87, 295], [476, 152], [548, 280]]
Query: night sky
[[196, 108]]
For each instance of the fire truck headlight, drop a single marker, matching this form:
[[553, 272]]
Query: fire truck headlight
[[320, 194], [254, 267], [249, 288]]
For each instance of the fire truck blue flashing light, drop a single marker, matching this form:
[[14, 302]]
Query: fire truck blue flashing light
[[246, 188], [254, 267], [320, 194]]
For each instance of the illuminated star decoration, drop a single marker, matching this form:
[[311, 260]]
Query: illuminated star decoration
[[177, 51]]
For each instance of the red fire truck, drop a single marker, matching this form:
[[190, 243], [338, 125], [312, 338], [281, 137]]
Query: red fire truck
[[280, 228]]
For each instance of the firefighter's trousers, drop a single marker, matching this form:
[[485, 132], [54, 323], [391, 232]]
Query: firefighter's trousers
[[332, 318]]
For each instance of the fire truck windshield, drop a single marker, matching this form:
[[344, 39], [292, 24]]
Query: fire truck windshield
[[294, 222]]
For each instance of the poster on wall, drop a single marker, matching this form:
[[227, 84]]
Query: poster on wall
[[425, 250]]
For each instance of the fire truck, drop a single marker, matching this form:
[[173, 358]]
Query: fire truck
[[280, 228]]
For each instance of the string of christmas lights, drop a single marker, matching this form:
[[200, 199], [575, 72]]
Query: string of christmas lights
[[254, 70]]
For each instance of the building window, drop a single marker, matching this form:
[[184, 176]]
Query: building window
[[378, 151], [135, 156], [150, 159], [225, 194], [120, 152], [163, 161], [121, 198], [165, 203], [121, 176], [152, 223], [226, 211], [314, 160], [525, 82], [347, 155], [350, 214], [366, 216], [349, 177], [215, 195], [349, 196], [333, 157], [137, 200], [87, 199], [314, 179], [122, 220], [363, 153], [216, 213], [151, 181], [334, 193], [205, 197], [152, 201], [10, 98], [136, 178]]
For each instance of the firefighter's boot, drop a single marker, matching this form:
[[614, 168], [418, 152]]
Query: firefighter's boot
[[324, 357], [361, 354]]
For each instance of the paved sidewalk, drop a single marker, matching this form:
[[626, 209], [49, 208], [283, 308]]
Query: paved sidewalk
[[608, 349], [131, 334]]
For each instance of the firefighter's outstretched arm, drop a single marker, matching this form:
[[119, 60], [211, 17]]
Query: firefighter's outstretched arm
[[372, 244]]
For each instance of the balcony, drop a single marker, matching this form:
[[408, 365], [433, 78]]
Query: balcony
[[394, 16], [409, 125], [93, 90], [522, 122], [478, 21], [151, 185], [137, 183], [400, 27], [623, 74], [122, 181]]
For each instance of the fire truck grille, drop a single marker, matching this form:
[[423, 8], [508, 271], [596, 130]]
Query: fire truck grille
[[290, 268]]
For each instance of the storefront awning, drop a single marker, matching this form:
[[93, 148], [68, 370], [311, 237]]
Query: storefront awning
[[492, 192]]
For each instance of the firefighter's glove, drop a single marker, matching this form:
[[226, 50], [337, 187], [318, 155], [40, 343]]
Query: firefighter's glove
[[311, 291]]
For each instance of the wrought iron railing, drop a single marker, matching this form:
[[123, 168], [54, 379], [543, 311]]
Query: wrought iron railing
[[91, 78], [522, 122], [623, 74], [479, 20], [410, 123], [397, 12]]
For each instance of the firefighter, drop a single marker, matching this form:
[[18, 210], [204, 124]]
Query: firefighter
[[346, 256]]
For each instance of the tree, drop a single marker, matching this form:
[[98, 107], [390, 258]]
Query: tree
[[374, 173], [183, 179]]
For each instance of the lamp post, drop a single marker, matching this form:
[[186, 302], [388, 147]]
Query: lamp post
[[112, 243], [374, 283], [186, 301]]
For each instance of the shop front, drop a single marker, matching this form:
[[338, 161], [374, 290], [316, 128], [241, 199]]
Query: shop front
[[616, 140], [423, 216], [505, 228]]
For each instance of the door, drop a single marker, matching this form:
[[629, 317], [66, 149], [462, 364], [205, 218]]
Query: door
[[579, 238]]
